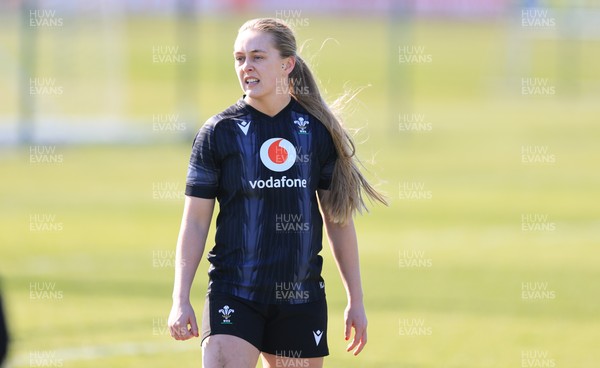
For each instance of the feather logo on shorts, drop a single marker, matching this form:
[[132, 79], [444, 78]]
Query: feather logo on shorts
[[226, 313]]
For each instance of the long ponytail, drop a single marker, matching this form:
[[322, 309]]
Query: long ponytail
[[348, 184]]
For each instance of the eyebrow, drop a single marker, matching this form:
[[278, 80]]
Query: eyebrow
[[251, 52]]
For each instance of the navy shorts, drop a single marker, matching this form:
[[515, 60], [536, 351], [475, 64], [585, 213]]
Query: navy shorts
[[289, 330]]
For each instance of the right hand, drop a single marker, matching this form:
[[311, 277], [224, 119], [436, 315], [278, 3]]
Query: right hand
[[182, 322]]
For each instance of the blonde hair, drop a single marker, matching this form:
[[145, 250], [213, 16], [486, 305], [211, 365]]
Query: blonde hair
[[345, 194]]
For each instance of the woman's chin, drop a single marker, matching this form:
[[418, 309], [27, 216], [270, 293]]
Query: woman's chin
[[253, 93]]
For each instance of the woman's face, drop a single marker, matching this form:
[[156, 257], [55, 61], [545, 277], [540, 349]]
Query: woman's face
[[260, 69]]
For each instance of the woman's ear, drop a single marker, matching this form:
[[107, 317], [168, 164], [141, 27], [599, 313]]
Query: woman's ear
[[288, 64]]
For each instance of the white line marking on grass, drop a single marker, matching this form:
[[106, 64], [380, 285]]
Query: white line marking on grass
[[97, 351]]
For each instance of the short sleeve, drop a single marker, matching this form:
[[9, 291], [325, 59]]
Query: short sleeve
[[328, 157], [203, 172]]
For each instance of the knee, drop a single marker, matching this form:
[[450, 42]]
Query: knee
[[224, 351]]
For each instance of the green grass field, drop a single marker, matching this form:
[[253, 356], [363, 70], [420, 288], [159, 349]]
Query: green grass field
[[103, 259]]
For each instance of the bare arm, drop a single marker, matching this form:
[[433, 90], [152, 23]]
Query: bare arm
[[195, 223], [344, 246]]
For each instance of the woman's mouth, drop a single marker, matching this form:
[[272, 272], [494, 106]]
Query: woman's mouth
[[251, 81]]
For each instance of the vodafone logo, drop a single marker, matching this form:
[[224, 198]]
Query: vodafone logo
[[278, 154]]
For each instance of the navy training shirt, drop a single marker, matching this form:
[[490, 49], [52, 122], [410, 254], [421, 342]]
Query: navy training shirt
[[264, 172]]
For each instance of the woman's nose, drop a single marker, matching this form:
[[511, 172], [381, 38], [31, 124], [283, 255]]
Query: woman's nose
[[247, 66]]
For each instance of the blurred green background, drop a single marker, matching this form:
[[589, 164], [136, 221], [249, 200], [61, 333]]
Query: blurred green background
[[482, 130]]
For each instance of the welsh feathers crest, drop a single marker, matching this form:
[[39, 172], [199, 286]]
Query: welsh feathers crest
[[226, 313], [302, 124]]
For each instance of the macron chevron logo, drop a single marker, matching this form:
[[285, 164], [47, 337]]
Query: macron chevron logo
[[244, 125], [318, 334]]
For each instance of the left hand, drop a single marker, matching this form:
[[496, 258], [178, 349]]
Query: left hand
[[355, 317]]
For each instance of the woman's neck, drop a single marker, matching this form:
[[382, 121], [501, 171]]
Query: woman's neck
[[270, 106]]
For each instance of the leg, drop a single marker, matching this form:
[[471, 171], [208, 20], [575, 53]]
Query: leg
[[296, 336], [274, 361], [232, 330], [227, 351]]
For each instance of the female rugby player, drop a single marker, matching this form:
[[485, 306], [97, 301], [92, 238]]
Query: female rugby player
[[266, 159]]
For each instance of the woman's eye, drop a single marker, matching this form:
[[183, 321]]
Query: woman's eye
[[239, 58], [258, 57]]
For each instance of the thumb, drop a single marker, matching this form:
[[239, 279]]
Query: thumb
[[194, 325]]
